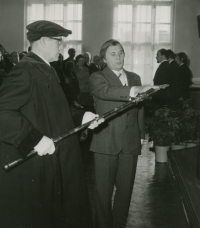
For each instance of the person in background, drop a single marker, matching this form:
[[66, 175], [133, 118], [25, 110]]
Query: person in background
[[58, 67], [2, 67], [71, 53], [14, 59], [48, 190], [117, 143], [22, 54], [73, 90], [162, 76], [83, 77], [95, 66], [174, 84], [185, 75], [87, 57]]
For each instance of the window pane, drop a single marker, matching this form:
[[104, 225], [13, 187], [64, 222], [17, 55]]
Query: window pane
[[142, 60], [127, 59], [124, 32], [163, 14], [54, 12], [124, 13], [74, 12], [162, 33], [35, 12], [76, 28], [143, 13], [143, 33]]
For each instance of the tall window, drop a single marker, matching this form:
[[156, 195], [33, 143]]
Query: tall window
[[63, 12], [143, 27]]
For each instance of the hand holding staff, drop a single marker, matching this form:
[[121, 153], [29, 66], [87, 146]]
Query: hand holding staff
[[140, 97]]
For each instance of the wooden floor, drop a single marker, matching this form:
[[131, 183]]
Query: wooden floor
[[155, 201]]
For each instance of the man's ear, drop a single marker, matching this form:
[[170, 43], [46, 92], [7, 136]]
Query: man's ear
[[43, 41]]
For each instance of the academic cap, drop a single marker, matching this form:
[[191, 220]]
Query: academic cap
[[41, 28]]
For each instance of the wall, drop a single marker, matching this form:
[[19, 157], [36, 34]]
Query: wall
[[97, 24], [186, 33], [97, 27], [12, 25]]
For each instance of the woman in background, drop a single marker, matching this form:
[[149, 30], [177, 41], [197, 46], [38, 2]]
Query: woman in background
[[185, 75]]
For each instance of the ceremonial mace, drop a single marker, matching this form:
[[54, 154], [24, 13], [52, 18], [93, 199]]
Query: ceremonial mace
[[134, 101]]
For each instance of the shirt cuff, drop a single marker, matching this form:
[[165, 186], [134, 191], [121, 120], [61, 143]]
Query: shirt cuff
[[132, 92]]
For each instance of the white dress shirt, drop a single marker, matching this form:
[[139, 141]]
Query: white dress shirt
[[123, 78]]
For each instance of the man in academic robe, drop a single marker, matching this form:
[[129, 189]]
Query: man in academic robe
[[48, 190]]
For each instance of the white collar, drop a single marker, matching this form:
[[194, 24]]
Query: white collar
[[43, 59], [164, 60], [118, 72]]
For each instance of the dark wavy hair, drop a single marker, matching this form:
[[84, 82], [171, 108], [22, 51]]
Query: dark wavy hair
[[171, 54], [183, 57], [79, 57]]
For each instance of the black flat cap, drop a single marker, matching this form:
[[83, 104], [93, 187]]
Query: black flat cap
[[38, 29]]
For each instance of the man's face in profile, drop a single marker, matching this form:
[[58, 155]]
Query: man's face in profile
[[114, 57], [159, 57]]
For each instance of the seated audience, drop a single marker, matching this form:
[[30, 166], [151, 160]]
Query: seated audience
[[95, 66], [185, 75]]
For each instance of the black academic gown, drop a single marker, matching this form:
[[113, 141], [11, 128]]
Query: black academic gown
[[46, 191]]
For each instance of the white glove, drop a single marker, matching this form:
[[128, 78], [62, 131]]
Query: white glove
[[45, 146], [88, 116]]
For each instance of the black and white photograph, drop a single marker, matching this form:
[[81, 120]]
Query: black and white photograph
[[99, 113]]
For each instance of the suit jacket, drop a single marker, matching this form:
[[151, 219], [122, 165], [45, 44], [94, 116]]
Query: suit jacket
[[174, 80], [108, 93], [162, 76], [185, 81]]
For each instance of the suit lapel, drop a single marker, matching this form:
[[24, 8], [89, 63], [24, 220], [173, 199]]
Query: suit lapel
[[111, 76]]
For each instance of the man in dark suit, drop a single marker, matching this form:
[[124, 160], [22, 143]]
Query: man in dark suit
[[117, 143], [71, 53], [95, 66], [174, 84], [162, 76]]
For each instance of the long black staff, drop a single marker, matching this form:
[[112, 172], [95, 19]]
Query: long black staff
[[105, 116]]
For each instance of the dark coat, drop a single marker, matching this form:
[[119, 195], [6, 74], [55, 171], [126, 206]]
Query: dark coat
[[108, 93], [46, 191], [93, 68], [174, 81], [162, 76], [185, 76]]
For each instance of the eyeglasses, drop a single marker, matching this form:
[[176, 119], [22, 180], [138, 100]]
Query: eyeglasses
[[58, 39]]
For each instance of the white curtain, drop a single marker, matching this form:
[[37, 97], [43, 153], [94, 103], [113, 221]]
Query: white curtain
[[143, 27]]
